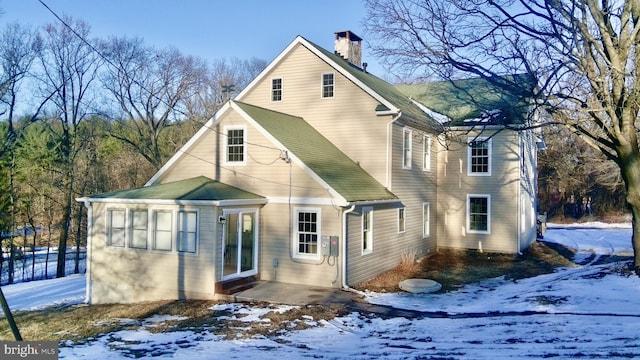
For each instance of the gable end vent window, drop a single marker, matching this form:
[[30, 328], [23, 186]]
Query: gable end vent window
[[327, 85], [276, 89]]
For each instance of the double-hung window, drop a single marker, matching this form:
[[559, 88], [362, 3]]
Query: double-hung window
[[187, 231], [307, 233], [139, 221], [116, 225], [479, 156], [426, 225], [367, 230], [327, 85], [479, 214], [163, 230], [236, 145], [426, 153], [149, 229], [276, 89], [406, 148]]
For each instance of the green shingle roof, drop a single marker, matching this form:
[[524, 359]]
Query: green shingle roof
[[198, 188], [386, 90], [476, 98], [327, 161]]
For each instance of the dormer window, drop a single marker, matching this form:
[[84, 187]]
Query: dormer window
[[327, 85], [276, 89]]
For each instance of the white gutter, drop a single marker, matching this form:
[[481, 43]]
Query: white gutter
[[389, 150], [343, 245], [218, 203], [87, 295]]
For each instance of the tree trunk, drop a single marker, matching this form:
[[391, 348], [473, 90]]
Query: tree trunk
[[66, 224], [76, 269], [630, 168]]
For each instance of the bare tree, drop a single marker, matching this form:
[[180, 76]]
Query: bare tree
[[224, 79], [69, 67], [584, 55], [151, 88]]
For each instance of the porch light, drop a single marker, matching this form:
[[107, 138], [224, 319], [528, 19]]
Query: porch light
[[222, 220]]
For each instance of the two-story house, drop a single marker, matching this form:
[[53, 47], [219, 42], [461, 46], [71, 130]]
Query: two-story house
[[317, 173]]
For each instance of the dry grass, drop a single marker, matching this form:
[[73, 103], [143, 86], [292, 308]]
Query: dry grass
[[453, 268], [79, 323]]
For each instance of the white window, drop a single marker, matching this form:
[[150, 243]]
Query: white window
[[406, 148], [236, 145], [139, 222], [187, 231], [116, 225], [479, 157], [163, 230], [479, 214], [426, 153], [367, 230], [276, 89], [401, 221], [426, 225], [327, 85], [307, 233]]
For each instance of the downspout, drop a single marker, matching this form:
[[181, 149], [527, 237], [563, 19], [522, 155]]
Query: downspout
[[390, 149], [87, 204], [520, 224], [343, 245]]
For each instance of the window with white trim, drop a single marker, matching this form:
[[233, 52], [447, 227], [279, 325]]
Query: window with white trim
[[426, 224], [276, 89], [426, 153], [479, 214], [139, 229], [116, 225], [327, 85], [401, 220], [367, 230], [236, 145], [479, 157], [307, 232], [162, 230], [406, 148], [187, 231]]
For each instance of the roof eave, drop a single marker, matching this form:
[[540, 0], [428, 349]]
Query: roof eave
[[219, 203]]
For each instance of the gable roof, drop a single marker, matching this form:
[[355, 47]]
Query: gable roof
[[198, 189], [391, 99], [496, 101], [318, 154]]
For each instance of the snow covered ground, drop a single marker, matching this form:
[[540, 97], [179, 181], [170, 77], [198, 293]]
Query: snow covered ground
[[590, 311]]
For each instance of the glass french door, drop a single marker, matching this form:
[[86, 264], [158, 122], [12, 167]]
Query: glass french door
[[240, 244]]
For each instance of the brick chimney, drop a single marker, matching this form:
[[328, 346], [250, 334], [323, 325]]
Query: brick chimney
[[349, 46]]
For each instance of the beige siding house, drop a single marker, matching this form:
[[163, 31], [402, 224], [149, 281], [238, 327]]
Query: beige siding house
[[317, 173]]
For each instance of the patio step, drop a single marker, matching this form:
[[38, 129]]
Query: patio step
[[233, 286]]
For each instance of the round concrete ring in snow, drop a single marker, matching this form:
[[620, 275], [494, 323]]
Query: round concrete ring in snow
[[420, 286]]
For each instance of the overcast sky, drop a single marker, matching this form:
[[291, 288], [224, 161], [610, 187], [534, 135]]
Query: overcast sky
[[210, 29]]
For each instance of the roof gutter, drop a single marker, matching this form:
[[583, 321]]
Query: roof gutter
[[239, 202]]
